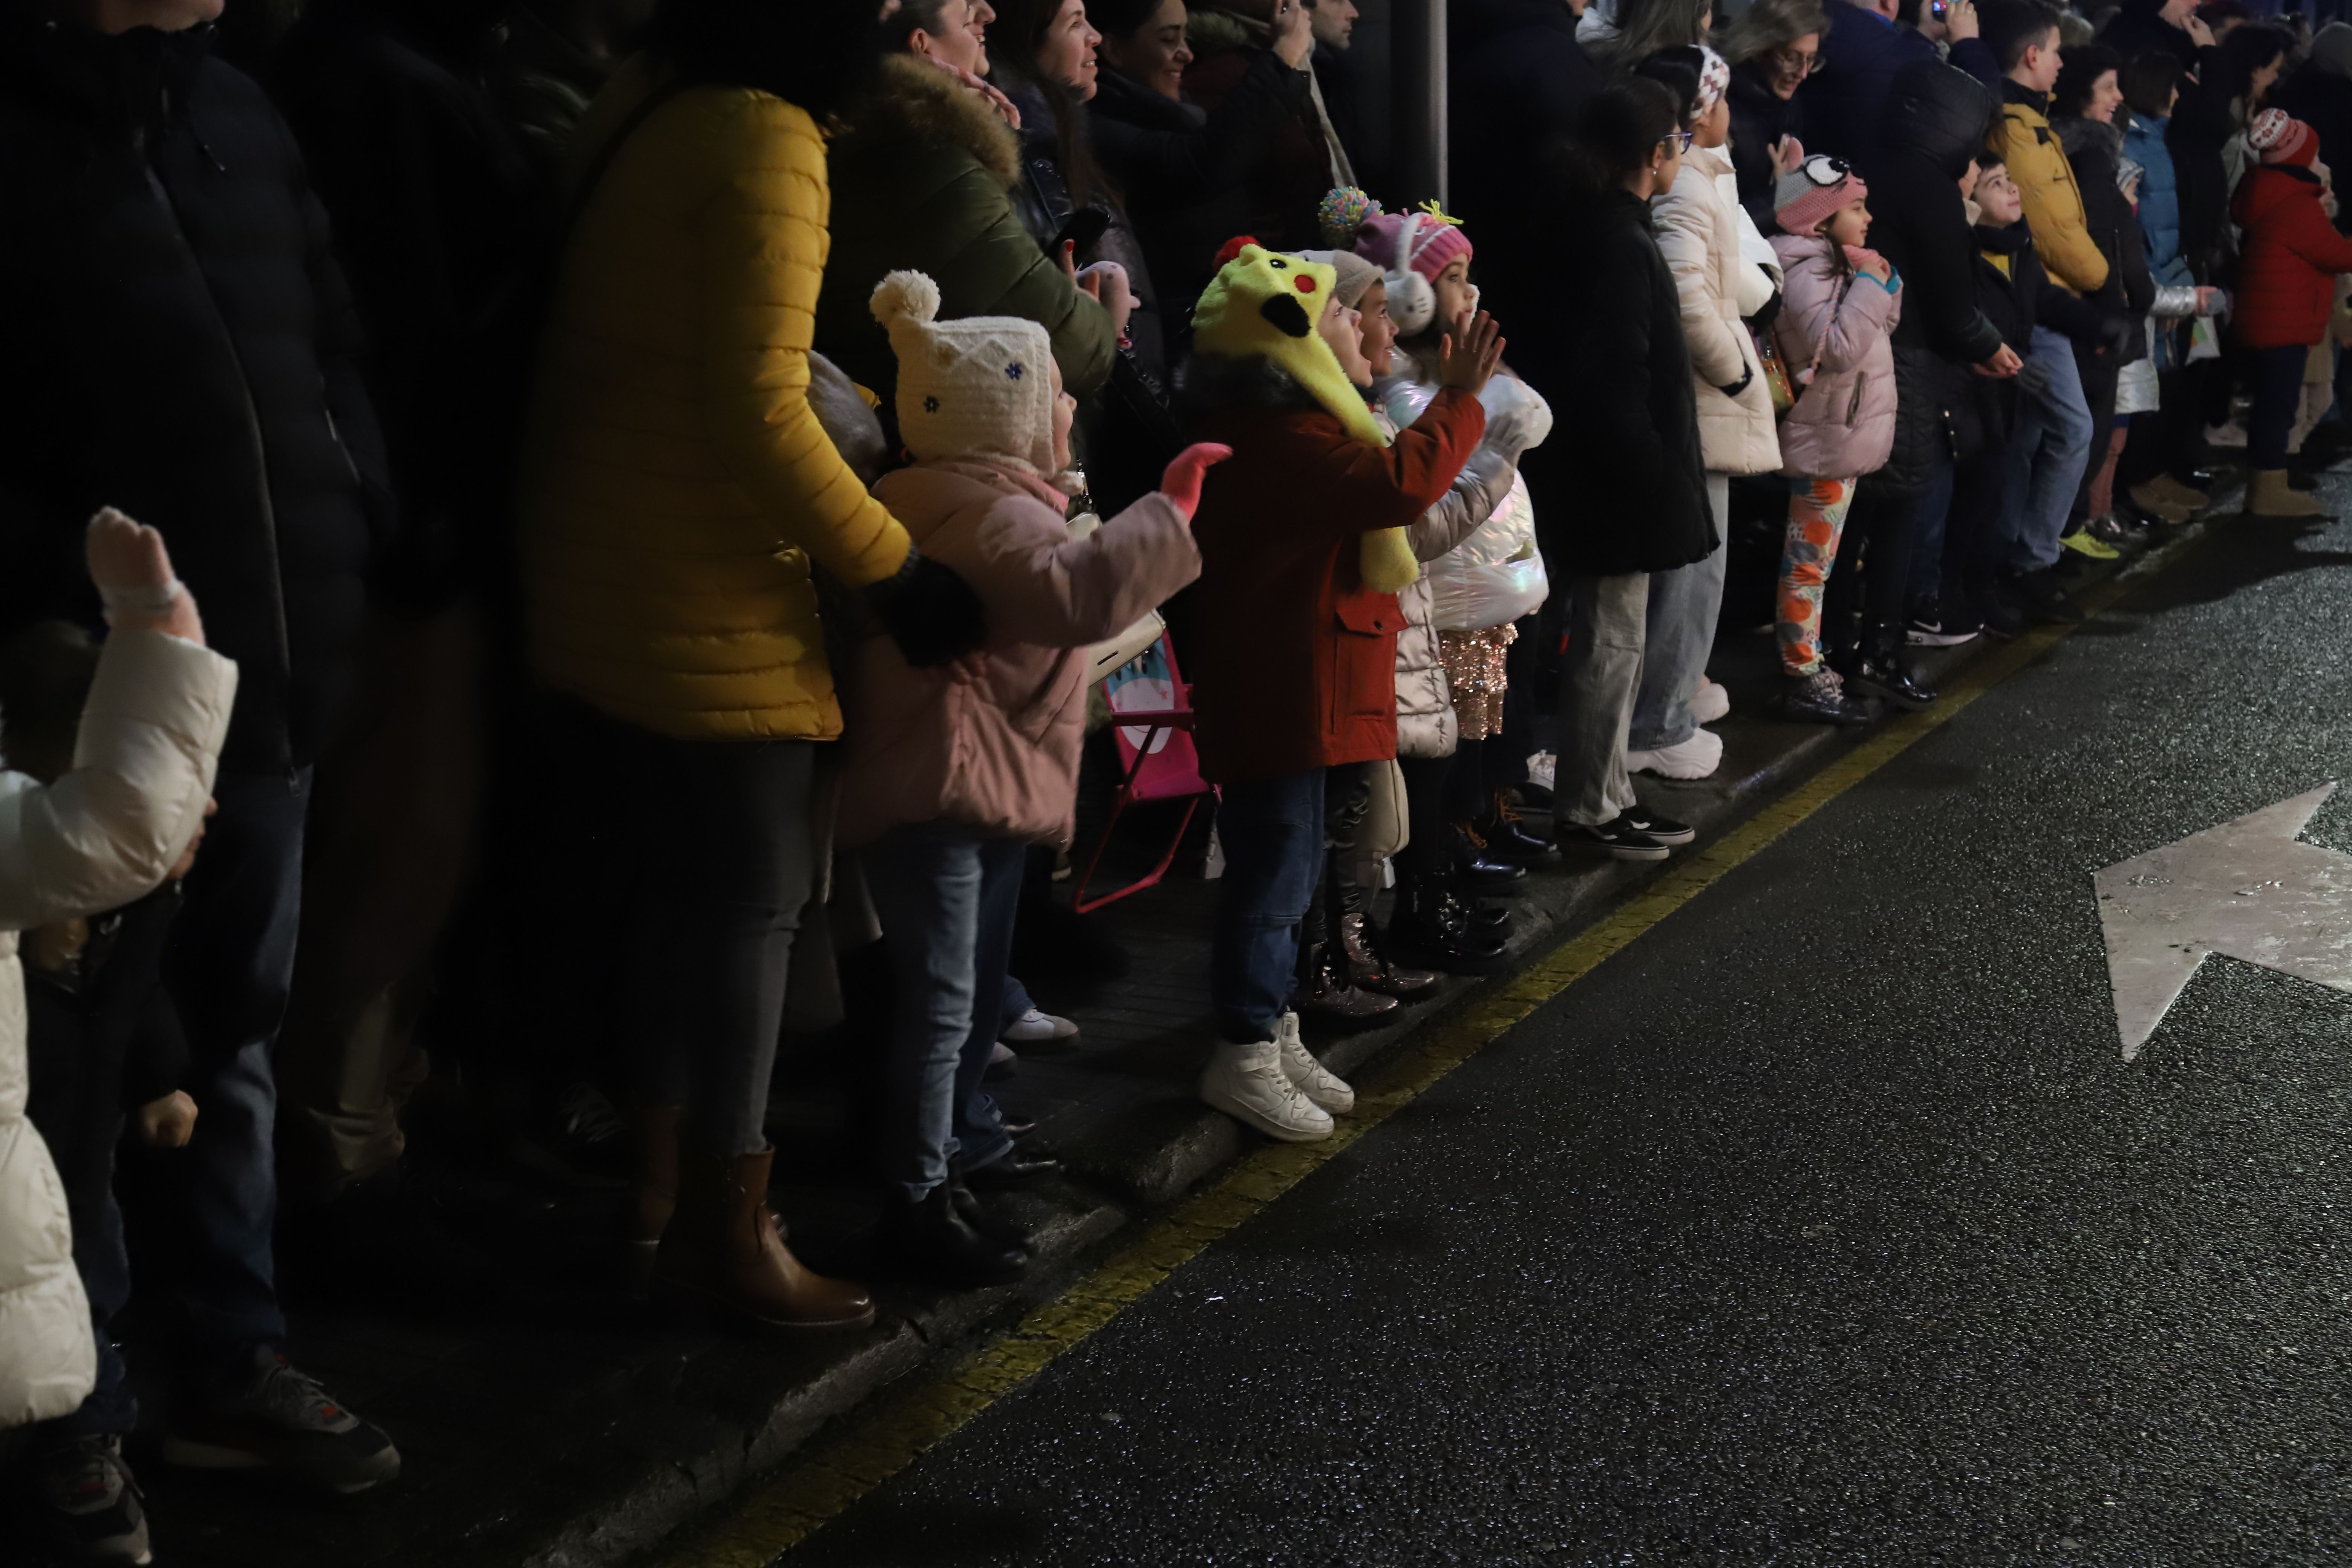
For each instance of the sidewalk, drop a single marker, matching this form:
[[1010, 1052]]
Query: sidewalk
[[547, 1420]]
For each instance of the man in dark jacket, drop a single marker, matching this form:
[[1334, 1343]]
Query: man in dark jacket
[[1934, 123], [1519, 80], [1862, 53], [1303, 158], [190, 356]]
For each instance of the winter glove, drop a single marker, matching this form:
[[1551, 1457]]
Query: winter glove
[[929, 612], [1181, 482]]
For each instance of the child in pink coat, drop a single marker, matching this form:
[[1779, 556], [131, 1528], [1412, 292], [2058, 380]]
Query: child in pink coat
[[951, 773]]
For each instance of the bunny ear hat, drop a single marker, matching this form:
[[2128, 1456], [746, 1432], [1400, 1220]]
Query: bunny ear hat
[[979, 388]]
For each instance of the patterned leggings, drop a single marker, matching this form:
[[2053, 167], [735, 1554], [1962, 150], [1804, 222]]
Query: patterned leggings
[[1816, 511]]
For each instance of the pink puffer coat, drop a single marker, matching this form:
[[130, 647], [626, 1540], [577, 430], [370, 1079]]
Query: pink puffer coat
[[1843, 423], [991, 740]]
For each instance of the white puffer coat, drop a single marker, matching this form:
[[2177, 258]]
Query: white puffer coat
[[1700, 235], [102, 836]]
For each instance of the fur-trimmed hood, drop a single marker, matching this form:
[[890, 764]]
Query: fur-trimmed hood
[[913, 103]]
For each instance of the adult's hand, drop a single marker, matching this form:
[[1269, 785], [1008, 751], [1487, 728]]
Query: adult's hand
[[1786, 153], [1960, 21], [1294, 32], [1466, 359], [2001, 365], [134, 574], [2199, 33], [1181, 482]]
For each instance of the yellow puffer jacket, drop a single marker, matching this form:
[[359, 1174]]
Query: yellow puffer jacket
[[676, 484], [2053, 201]]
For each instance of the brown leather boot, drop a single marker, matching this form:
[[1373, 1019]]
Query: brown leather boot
[[725, 1245]]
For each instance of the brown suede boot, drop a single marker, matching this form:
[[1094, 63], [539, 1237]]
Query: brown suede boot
[[652, 1183], [2270, 495], [724, 1244]]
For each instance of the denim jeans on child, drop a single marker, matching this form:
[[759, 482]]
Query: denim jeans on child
[[1684, 605], [2048, 450], [946, 896], [2276, 382], [1272, 833], [1598, 681]]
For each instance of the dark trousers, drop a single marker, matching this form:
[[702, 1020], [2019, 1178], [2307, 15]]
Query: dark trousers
[[1424, 806], [2276, 383], [228, 970], [1869, 584], [2167, 439], [1272, 830]]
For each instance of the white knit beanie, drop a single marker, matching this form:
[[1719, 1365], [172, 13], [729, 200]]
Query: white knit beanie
[[979, 388]]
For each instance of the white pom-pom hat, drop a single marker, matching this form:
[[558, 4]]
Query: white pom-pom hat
[[979, 388]]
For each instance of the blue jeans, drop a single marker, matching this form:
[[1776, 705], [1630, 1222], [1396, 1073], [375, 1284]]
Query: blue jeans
[[104, 1264], [1272, 831], [228, 968], [946, 896], [1929, 515], [2048, 451], [1680, 634], [2276, 383]]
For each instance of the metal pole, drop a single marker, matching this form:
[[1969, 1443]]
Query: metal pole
[[1417, 63]]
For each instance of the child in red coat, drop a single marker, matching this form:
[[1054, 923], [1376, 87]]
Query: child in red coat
[[1292, 650], [2290, 255]]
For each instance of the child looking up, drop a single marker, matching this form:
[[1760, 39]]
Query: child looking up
[[1839, 306], [951, 773], [1293, 656]]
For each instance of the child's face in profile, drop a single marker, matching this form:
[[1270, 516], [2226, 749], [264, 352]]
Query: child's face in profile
[[1849, 225], [1343, 329], [1380, 329], [1065, 413], [1997, 199], [1456, 297]]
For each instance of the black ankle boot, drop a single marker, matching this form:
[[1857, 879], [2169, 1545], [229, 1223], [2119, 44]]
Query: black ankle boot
[[1428, 927], [1327, 996], [1371, 969], [1507, 841], [1881, 670], [995, 1228], [1482, 866], [931, 1241]]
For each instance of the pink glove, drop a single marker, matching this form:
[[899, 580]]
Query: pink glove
[[1181, 482]]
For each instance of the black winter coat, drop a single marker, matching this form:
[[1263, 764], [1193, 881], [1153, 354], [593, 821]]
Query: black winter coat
[[435, 214], [1862, 53], [1936, 119], [1185, 174], [2322, 98], [2117, 319], [183, 348], [1760, 117], [1627, 491], [1519, 80]]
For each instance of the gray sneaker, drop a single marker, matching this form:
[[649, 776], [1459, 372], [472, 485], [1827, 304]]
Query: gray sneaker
[[89, 1503], [271, 1417]]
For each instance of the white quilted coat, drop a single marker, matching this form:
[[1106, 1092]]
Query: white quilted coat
[[102, 836], [1700, 235]]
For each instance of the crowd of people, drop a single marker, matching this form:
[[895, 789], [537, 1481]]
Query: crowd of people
[[659, 483]]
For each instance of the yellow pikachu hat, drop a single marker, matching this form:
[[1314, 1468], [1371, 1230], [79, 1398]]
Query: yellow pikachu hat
[[1265, 303]]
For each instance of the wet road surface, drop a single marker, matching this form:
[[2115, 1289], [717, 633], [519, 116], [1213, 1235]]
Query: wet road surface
[[1826, 1224]]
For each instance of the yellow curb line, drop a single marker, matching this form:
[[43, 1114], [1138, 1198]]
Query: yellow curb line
[[826, 1479]]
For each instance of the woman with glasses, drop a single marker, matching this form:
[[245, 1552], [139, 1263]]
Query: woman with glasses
[[1773, 48], [1611, 359]]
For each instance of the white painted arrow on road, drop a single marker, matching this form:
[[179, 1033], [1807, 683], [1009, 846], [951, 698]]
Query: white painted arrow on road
[[2247, 889]]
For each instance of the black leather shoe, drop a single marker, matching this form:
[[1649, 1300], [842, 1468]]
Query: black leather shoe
[[1427, 927], [931, 1241], [997, 1229], [1883, 672], [1015, 1169], [2043, 600], [1328, 995], [1371, 969]]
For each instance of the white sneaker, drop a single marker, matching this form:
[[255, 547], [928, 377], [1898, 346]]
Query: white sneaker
[[1319, 1083], [1711, 703], [1542, 768], [1696, 758], [1247, 1083], [1034, 1027]]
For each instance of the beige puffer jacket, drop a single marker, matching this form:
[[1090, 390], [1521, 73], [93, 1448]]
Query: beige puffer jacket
[[102, 836], [1699, 234]]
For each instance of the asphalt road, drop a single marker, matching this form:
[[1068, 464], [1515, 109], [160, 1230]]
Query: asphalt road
[[1826, 1224]]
